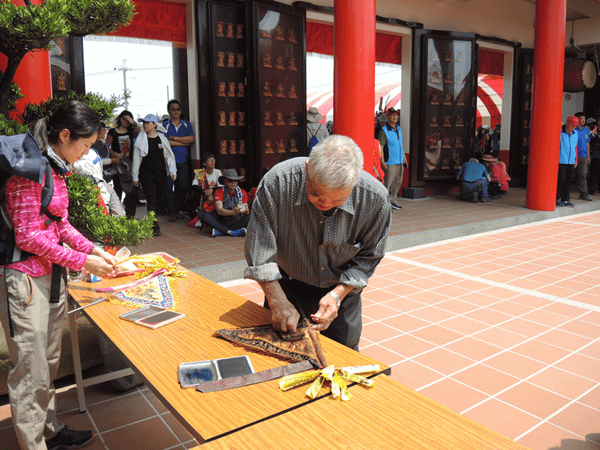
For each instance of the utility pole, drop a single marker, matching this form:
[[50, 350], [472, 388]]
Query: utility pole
[[124, 69]]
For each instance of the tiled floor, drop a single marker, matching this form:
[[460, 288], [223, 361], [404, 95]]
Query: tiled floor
[[503, 327]]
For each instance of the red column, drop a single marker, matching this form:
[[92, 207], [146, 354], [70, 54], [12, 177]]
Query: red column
[[548, 66], [33, 74], [354, 73]]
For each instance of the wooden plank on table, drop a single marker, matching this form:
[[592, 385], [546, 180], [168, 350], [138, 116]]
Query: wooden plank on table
[[389, 415], [156, 354]]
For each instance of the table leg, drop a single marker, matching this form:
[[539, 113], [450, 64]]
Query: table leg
[[76, 356]]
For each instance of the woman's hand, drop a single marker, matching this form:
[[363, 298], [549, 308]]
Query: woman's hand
[[99, 266], [101, 263]]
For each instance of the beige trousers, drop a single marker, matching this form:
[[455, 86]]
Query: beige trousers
[[35, 354]]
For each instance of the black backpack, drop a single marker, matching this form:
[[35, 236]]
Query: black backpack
[[15, 160]]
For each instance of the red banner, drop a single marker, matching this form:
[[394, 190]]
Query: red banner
[[319, 39], [156, 19], [490, 62]]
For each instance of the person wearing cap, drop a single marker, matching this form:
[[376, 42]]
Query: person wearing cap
[[314, 127], [153, 162], [474, 179], [181, 136], [231, 213], [583, 156], [393, 161], [566, 161], [317, 232], [498, 183], [592, 124]]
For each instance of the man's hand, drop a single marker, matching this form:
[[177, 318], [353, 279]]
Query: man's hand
[[174, 177], [283, 315], [326, 313]]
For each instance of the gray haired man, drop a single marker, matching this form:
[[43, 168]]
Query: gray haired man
[[317, 231]]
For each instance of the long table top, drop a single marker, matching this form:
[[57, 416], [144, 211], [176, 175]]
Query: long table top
[[388, 415], [156, 354]]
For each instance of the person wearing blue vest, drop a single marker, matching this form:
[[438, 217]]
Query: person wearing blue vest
[[583, 157], [566, 161], [392, 159], [181, 136]]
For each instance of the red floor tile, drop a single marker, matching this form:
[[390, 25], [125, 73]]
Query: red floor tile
[[405, 323], [485, 379], [592, 398], [502, 418], [541, 351], [534, 400], [407, 345], [545, 317], [514, 364], [382, 354], [473, 348], [377, 332], [444, 361], [432, 314], [581, 365], [579, 419], [454, 395], [150, 434], [562, 382], [548, 436], [414, 375], [437, 335], [524, 327], [563, 339], [582, 328]]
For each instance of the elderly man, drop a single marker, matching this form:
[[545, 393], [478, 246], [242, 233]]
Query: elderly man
[[317, 232], [566, 161]]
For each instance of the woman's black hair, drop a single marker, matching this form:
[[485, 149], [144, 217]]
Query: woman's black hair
[[120, 116], [81, 121]]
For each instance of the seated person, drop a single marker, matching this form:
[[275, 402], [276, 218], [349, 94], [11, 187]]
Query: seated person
[[231, 213], [205, 183], [475, 179], [499, 183]]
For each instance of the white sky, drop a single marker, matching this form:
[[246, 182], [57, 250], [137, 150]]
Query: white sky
[[150, 82]]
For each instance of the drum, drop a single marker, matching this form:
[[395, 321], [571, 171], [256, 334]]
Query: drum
[[579, 75]]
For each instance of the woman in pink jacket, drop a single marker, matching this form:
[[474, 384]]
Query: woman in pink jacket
[[32, 305]]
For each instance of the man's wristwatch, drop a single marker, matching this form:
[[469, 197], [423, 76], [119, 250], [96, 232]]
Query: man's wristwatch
[[338, 302]]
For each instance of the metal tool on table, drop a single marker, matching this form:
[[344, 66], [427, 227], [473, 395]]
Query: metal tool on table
[[253, 378]]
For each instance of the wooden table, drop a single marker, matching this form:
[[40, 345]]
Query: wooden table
[[388, 415], [156, 354]]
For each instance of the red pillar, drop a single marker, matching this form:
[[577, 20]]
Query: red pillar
[[548, 66], [354, 73], [33, 74]]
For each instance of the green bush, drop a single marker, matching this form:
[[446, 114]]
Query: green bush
[[103, 107], [10, 127], [87, 217]]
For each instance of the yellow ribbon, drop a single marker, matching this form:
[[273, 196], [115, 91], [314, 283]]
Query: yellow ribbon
[[336, 377], [152, 263]]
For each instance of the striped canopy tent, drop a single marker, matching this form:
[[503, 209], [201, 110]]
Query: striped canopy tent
[[489, 100], [323, 99]]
